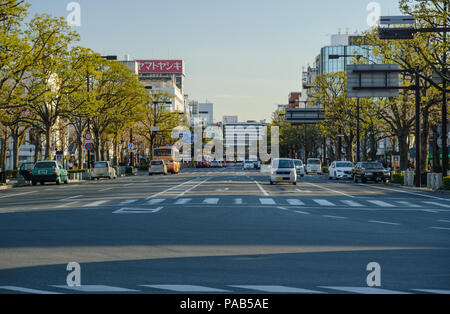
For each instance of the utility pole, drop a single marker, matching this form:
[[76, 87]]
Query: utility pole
[[417, 135], [444, 99], [358, 144]]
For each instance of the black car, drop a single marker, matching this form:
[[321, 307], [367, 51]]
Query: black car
[[370, 171]]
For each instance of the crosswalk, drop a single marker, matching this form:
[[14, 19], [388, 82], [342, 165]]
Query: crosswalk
[[233, 289]]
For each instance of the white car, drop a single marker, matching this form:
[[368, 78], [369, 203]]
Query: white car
[[102, 169], [299, 167], [313, 165], [249, 165], [340, 170], [157, 167], [283, 170]]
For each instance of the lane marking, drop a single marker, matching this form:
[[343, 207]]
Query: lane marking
[[408, 204], [128, 184], [305, 191], [96, 203], [211, 201], [300, 212], [172, 188], [352, 203], [72, 197], [185, 288], [107, 189], [365, 290], [129, 210], [193, 187], [381, 203], [282, 208], [440, 228], [444, 220], [261, 188], [155, 201], [183, 201], [67, 204], [322, 202], [17, 194], [328, 189], [96, 288], [238, 201], [295, 202], [337, 217], [412, 193], [267, 201], [128, 202], [26, 290], [384, 222], [276, 289], [437, 204]]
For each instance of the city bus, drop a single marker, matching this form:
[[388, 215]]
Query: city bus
[[168, 154]]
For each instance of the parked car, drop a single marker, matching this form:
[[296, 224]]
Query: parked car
[[257, 164], [215, 164], [157, 167], [102, 169], [49, 171], [373, 171], [248, 165], [313, 165], [340, 170], [26, 170], [299, 167], [283, 170]]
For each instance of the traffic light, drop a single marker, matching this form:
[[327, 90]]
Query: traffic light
[[396, 33]]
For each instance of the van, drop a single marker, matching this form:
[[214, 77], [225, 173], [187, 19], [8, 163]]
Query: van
[[313, 165]]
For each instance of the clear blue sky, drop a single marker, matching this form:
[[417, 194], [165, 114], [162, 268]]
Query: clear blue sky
[[242, 55]]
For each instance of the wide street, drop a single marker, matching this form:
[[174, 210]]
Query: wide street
[[223, 230]]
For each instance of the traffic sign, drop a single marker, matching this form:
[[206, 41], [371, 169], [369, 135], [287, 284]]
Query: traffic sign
[[88, 146], [88, 136], [372, 80], [130, 146]]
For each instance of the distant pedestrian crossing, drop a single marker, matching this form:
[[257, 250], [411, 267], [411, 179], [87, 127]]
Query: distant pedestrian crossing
[[233, 289]]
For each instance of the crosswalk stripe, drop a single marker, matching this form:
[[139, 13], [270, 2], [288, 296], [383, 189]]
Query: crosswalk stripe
[[365, 290], [96, 203], [295, 202], [127, 210], [155, 201], [128, 201], [96, 288], [238, 201], [182, 201], [436, 291], [277, 289], [352, 203], [185, 288], [26, 290], [211, 201], [324, 203], [437, 204], [267, 201], [381, 203], [408, 204]]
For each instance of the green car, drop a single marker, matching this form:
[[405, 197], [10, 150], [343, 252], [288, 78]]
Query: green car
[[49, 171]]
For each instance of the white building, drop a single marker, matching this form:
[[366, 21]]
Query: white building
[[229, 119], [201, 113]]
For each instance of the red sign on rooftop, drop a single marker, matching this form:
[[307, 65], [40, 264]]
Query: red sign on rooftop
[[160, 66]]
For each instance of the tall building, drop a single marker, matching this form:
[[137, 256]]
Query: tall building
[[201, 113], [165, 75], [240, 137]]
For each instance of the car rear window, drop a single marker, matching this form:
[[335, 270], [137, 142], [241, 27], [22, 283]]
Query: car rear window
[[372, 165], [45, 164], [344, 165], [314, 161], [100, 165], [157, 162], [298, 162]]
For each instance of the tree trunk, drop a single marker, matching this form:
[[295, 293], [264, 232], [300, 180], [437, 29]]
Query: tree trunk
[[425, 140], [404, 150], [48, 140], [15, 137]]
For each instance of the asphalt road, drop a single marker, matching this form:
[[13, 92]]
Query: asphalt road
[[223, 230]]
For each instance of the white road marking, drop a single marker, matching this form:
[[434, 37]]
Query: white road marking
[[412, 193], [96, 203], [337, 217], [107, 189], [437, 204], [129, 210], [193, 187], [238, 201], [26, 290], [300, 212], [171, 188], [183, 201], [276, 289], [384, 222], [365, 290], [433, 291], [324, 203], [211, 201], [155, 201], [261, 188], [440, 228], [295, 202], [408, 204], [305, 191], [324, 188], [444, 220], [282, 208], [128, 184], [72, 197], [67, 204], [128, 202], [267, 201], [184, 288], [352, 203], [381, 203], [96, 288], [17, 194]]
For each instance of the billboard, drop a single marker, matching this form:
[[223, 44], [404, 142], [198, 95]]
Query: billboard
[[373, 80], [160, 66]]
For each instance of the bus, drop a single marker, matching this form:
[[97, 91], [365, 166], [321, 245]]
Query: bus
[[168, 154]]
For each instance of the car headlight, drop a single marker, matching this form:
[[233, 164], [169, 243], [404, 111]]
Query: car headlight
[[369, 173]]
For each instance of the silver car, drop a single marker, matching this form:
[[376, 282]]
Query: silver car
[[157, 167]]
